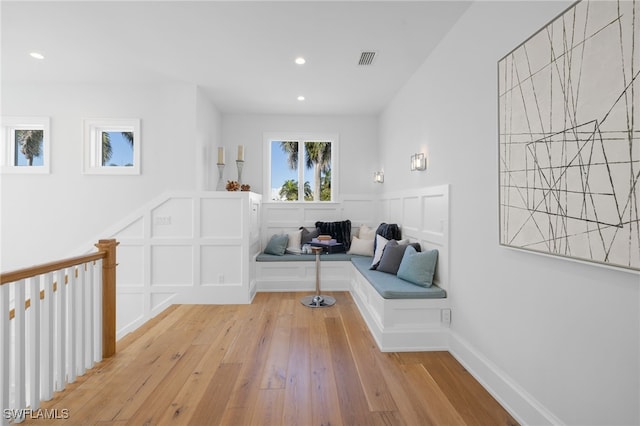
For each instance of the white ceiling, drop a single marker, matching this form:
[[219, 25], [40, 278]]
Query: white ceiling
[[240, 53]]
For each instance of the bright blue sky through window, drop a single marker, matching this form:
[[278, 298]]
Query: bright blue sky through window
[[21, 160], [122, 150], [280, 171]]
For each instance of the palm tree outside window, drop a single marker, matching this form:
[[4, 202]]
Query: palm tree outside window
[[24, 144], [29, 147], [301, 170], [112, 146]]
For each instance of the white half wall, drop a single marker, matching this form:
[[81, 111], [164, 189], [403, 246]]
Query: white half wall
[[556, 342], [185, 247]]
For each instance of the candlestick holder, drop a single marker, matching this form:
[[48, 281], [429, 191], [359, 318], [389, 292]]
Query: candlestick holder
[[220, 186], [240, 165]]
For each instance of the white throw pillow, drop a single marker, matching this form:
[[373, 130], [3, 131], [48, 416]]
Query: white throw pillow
[[361, 247], [380, 243], [295, 241], [366, 233]]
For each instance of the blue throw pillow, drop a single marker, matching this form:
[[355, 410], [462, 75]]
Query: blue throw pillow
[[277, 245], [418, 267]]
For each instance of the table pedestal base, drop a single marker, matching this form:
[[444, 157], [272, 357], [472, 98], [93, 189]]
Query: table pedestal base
[[318, 301]]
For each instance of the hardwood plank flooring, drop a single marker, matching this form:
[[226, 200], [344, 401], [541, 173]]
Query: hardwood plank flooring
[[274, 362]]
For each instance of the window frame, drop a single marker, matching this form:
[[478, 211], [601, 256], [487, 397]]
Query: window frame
[[92, 145], [301, 138], [7, 153]]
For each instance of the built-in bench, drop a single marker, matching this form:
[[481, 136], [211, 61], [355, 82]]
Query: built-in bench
[[297, 272], [400, 315], [390, 286], [264, 257]]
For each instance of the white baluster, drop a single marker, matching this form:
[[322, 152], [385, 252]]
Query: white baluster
[[47, 321], [97, 308], [5, 352], [61, 332], [19, 350], [34, 347], [80, 320], [71, 320], [88, 303]]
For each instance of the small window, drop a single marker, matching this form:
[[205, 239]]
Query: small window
[[300, 168], [25, 145], [112, 146]]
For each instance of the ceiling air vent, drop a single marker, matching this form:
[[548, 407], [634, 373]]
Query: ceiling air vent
[[366, 58]]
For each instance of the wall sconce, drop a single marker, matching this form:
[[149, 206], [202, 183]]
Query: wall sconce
[[418, 162], [378, 177]]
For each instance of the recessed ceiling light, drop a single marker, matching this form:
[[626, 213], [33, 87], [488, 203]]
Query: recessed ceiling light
[[300, 60], [36, 55], [301, 98]]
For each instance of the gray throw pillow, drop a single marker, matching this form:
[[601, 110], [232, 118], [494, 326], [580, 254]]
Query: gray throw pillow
[[277, 245], [307, 235], [392, 256]]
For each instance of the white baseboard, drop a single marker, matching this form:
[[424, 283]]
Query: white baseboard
[[520, 404]]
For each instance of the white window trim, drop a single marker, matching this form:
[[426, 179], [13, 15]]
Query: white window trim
[[294, 136], [92, 145], [7, 153]]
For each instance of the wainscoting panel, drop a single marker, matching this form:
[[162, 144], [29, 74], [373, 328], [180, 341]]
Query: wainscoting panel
[[128, 309], [173, 219], [282, 217], [185, 247], [220, 264], [423, 215], [130, 257], [219, 218], [172, 265]]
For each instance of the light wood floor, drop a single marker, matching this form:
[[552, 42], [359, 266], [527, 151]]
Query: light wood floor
[[274, 362]]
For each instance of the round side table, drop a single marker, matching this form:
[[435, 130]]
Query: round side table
[[317, 301]]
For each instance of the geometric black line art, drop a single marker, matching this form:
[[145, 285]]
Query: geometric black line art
[[569, 137]]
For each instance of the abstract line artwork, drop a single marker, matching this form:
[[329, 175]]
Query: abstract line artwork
[[569, 137]]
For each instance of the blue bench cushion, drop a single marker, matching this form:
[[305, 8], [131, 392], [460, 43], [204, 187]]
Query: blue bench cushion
[[263, 257], [390, 286]]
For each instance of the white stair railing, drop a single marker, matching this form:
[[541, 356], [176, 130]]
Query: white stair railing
[[56, 321]]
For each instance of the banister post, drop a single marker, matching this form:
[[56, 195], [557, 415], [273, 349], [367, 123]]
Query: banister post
[[108, 296]]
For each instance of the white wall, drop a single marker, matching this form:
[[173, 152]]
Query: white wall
[[557, 341], [45, 217], [357, 156], [208, 136]]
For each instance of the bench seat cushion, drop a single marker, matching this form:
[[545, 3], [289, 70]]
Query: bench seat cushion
[[263, 257], [390, 286]]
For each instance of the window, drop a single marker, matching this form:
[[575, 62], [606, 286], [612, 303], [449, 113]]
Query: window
[[25, 145], [112, 146], [300, 168]]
